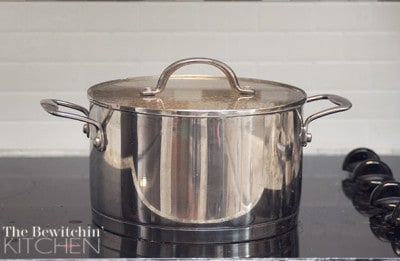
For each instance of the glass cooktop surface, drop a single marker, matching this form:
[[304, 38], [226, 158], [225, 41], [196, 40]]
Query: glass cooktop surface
[[45, 213]]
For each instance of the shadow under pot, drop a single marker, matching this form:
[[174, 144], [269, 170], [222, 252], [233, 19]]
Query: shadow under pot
[[186, 158]]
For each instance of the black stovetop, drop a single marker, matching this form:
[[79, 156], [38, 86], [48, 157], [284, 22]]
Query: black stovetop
[[53, 193]]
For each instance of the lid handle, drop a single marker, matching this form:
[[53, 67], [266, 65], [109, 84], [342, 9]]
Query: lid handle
[[166, 74]]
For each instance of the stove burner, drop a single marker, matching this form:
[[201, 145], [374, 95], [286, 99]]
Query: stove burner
[[374, 193]]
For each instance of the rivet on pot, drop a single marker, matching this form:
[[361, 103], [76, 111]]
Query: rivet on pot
[[97, 142], [85, 129], [308, 137]]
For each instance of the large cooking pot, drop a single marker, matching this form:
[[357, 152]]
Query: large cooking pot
[[173, 155]]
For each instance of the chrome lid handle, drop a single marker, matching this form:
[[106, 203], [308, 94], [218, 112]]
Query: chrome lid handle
[[166, 74], [342, 103]]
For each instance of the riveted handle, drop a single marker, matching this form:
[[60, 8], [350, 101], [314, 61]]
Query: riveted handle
[[52, 107], [166, 74], [342, 103]]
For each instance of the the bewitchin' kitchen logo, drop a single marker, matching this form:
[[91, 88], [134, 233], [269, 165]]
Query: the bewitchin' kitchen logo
[[50, 241]]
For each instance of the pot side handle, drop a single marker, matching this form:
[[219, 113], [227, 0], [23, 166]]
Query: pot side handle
[[52, 107], [342, 103]]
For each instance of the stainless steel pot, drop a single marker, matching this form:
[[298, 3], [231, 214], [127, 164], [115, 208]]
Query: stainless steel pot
[[195, 156]]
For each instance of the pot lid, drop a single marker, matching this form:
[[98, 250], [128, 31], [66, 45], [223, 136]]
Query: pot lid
[[197, 96]]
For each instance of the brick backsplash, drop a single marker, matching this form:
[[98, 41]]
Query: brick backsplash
[[59, 49]]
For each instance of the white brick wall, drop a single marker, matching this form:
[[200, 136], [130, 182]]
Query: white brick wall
[[59, 49]]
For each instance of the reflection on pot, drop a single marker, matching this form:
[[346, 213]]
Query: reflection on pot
[[241, 174], [212, 170]]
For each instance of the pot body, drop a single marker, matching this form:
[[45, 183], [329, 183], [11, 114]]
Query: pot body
[[165, 177], [194, 162]]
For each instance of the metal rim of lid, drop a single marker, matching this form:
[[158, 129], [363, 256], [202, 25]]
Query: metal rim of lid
[[195, 112]]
